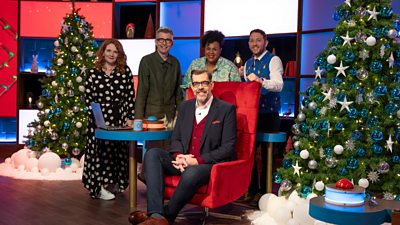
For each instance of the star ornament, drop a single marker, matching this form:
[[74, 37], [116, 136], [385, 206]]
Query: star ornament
[[391, 60], [328, 95], [296, 168], [373, 14], [318, 73], [341, 69], [347, 2], [346, 39], [345, 104], [83, 69], [389, 144]]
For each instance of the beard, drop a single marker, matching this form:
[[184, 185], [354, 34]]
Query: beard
[[204, 97]]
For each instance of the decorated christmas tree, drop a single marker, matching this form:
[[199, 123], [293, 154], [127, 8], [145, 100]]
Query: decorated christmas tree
[[62, 112], [348, 125]]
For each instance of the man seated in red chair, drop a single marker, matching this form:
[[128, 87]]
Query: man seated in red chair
[[204, 134]]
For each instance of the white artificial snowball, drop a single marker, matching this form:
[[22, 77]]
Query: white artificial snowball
[[74, 167], [319, 186], [82, 161], [35, 170], [338, 149], [290, 205], [68, 170], [78, 79], [50, 161], [275, 203], [45, 172], [371, 41], [56, 43], [363, 183], [59, 170], [78, 124], [31, 163], [300, 214], [81, 88], [281, 215], [292, 222], [264, 200], [21, 167], [8, 160], [75, 161], [20, 157], [317, 222], [311, 196], [304, 154], [331, 59]]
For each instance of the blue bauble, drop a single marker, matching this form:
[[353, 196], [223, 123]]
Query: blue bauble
[[377, 149], [336, 16], [61, 79], [277, 178], [360, 152], [385, 12], [305, 191], [348, 56], [396, 24], [320, 98], [74, 70], [343, 171], [324, 125], [395, 93], [396, 159], [95, 44], [305, 102], [356, 135], [376, 135], [296, 151], [337, 80], [328, 151], [328, 67], [316, 125], [320, 138], [317, 111], [352, 72], [287, 163], [339, 126], [352, 163], [391, 108], [66, 126], [310, 91], [376, 66], [352, 113], [85, 110], [340, 96], [397, 198], [337, 40], [397, 134], [371, 122], [364, 113], [380, 90], [45, 92], [67, 161], [304, 128], [77, 18]]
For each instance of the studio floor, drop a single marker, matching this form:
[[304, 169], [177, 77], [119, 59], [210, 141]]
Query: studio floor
[[33, 202]]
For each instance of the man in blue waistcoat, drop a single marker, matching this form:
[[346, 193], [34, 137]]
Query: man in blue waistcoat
[[266, 68]]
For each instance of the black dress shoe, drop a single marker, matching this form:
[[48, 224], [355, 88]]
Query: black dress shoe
[[137, 217]]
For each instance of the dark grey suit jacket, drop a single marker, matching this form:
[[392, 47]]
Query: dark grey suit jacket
[[219, 134]]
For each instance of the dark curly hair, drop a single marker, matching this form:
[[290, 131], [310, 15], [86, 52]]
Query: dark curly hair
[[212, 36], [121, 58]]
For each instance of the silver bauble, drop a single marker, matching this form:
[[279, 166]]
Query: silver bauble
[[70, 93], [39, 105], [76, 133], [312, 164], [383, 167], [301, 116], [69, 83], [362, 74], [398, 114], [296, 129], [296, 144], [312, 105], [331, 162], [75, 109], [54, 136], [76, 151], [64, 146], [286, 185], [392, 33]]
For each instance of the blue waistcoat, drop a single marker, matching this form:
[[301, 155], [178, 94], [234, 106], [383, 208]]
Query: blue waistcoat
[[269, 101]]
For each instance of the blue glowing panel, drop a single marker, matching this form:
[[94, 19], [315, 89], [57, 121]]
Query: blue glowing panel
[[287, 98], [318, 14], [182, 17], [311, 46], [186, 51], [41, 47], [396, 6]]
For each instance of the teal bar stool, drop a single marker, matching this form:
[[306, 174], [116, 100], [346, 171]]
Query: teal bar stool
[[270, 139]]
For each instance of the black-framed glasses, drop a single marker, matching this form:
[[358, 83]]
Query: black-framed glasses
[[205, 83], [164, 40]]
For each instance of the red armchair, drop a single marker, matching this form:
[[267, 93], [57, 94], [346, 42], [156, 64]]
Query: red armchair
[[230, 180]]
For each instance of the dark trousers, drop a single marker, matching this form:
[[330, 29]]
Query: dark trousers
[[269, 122], [157, 163]]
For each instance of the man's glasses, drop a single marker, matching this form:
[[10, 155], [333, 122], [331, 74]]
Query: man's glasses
[[164, 40], [205, 83]]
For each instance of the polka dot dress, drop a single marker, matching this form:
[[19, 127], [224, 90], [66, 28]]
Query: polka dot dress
[[106, 162]]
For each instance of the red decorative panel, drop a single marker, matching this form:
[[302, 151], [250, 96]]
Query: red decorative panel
[[43, 19], [8, 58]]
